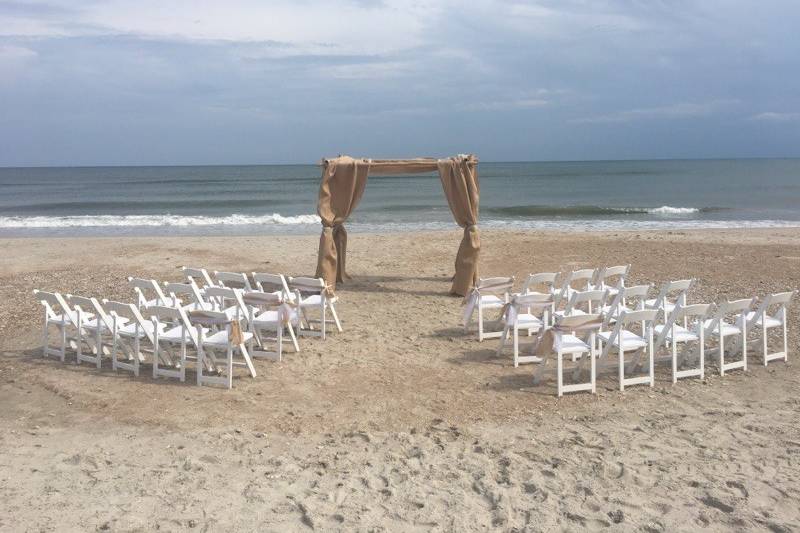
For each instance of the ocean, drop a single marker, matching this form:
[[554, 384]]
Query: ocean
[[268, 199]]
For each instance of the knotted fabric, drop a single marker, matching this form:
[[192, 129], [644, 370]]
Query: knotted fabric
[[340, 191], [459, 177]]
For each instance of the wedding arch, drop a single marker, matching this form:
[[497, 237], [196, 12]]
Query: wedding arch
[[342, 185]]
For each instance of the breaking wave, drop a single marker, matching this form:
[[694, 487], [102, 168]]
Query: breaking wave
[[594, 210], [99, 221]]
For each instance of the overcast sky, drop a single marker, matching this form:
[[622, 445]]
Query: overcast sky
[[202, 82]]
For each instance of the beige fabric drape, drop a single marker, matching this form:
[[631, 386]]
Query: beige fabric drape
[[342, 185], [459, 176], [340, 190]]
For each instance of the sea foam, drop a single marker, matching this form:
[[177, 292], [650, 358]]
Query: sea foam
[[95, 221]]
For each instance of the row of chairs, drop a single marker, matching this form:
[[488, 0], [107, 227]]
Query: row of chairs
[[596, 321], [215, 325]]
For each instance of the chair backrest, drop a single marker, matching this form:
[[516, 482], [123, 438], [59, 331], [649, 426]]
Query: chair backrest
[[545, 280], [674, 292], [144, 287], [774, 306], [89, 305], [307, 285], [224, 297], [626, 299], [190, 289], [576, 280], [734, 310], [199, 275], [498, 285], [234, 280], [129, 311], [689, 316], [606, 275], [271, 282], [594, 301], [55, 304]]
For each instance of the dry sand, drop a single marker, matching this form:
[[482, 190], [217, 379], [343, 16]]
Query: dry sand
[[402, 422]]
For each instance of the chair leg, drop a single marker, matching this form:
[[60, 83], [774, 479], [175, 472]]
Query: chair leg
[[45, 340], [785, 338], [621, 369], [63, 342], [674, 362], [248, 360], [480, 324], [744, 344], [336, 318], [294, 337], [559, 375], [593, 367], [324, 319], [721, 354], [279, 337], [764, 342], [516, 347], [652, 363]]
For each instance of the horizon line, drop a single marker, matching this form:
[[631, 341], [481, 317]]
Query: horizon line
[[185, 165]]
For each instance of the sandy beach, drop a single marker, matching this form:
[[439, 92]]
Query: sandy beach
[[402, 422]]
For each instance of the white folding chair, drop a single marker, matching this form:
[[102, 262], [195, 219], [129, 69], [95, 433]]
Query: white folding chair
[[489, 293], [216, 332], [623, 338], [575, 281], [92, 319], [673, 333], [148, 292], [274, 283], [672, 293], [128, 329], [171, 331], [611, 278], [199, 276], [313, 293], [573, 337], [233, 280], [729, 321], [268, 312], [527, 312], [771, 314], [58, 314]]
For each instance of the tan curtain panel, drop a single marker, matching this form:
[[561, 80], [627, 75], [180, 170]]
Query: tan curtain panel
[[342, 185], [459, 177], [340, 190]]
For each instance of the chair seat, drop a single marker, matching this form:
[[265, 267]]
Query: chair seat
[[570, 344], [527, 320], [627, 339], [314, 300], [678, 334], [220, 338], [492, 301], [177, 334], [574, 312], [270, 318], [764, 320], [727, 329], [131, 330], [64, 319], [94, 323]]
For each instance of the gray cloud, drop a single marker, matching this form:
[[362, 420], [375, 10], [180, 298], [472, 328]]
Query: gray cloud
[[131, 82]]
